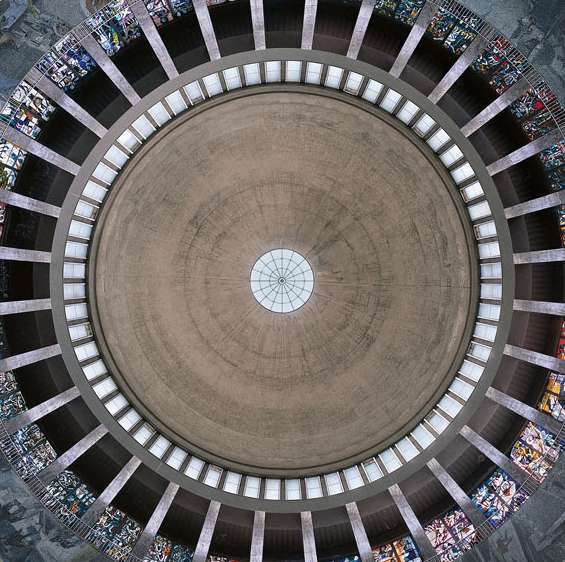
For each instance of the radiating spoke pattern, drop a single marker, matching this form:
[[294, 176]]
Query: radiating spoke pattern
[[282, 280]]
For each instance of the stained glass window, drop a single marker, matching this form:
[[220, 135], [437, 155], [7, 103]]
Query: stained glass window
[[407, 10], [451, 534], [402, 550], [164, 550], [33, 99], [116, 526], [11, 155], [160, 11], [21, 118], [36, 452], [386, 7], [70, 491]]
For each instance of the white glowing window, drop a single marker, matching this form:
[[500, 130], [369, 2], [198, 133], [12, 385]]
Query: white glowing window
[[292, 489], [194, 92], [104, 174], [273, 71], [485, 331], [176, 102], [489, 311], [176, 458], [80, 331], [272, 489], [212, 84], [231, 483], [423, 436], [143, 127], [159, 447], [449, 405], [94, 191], [353, 477], [74, 270], [76, 311], [159, 113], [116, 156], [462, 173], [129, 419], [479, 351], [105, 387], [479, 210], [353, 83], [252, 487], [74, 290], [194, 468], [407, 449], [424, 125], [472, 191], [80, 230], [212, 477], [76, 250], [491, 291], [128, 140], [313, 487], [461, 388], [313, 73], [372, 91], [116, 404], [232, 78], [406, 114], [471, 370], [451, 155], [372, 470], [485, 230], [437, 421], [438, 139], [86, 351], [390, 460], [390, 101], [491, 270], [93, 370], [143, 434], [489, 250], [333, 76], [252, 74], [333, 483], [293, 69]]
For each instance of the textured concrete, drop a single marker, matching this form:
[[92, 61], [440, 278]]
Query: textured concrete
[[540, 256], [308, 539], [309, 23], [547, 361], [29, 357], [537, 204], [18, 254], [258, 22], [206, 28], [364, 17], [258, 537], [228, 376], [540, 307], [23, 202], [207, 532], [361, 540], [18, 307]]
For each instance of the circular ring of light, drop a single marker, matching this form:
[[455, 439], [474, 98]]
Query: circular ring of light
[[282, 280]]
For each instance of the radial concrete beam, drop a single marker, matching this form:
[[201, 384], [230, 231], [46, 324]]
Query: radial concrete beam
[[69, 457], [527, 412], [258, 22], [147, 24], [540, 256], [537, 204], [309, 23], [524, 152], [491, 452], [540, 359], [456, 492], [361, 540], [205, 538], [23, 202], [41, 410], [363, 18], [19, 307], [108, 67], [258, 537], [540, 307], [51, 90], [207, 29], [308, 540], [148, 535], [111, 491], [37, 149], [17, 254], [494, 108], [416, 33], [23, 359], [458, 68], [415, 527]]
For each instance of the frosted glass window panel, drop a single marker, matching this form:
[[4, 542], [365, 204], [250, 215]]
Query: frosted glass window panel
[[232, 78], [407, 113], [76, 250], [272, 489], [252, 487], [437, 421], [143, 127], [372, 470], [491, 270], [451, 155], [176, 458], [353, 477], [194, 468], [489, 250], [479, 351], [485, 230], [353, 83], [116, 404], [292, 489], [438, 139], [407, 449], [423, 436], [74, 291], [423, 125], [80, 331], [462, 173], [491, 291], [129, 419], [333, 483], [93, 370], [80, 230], [212, 477], [333, 77], [104, 174], [231, 483], [93, 191], [449, 405], [273, 71], [103, 388], [86, 351], [252, 74], [176, 102], [128, 140], [313, 73], [485, 331], [471, 370], [212, 84], [143, 434], [116, 156], [472, 191], [159, 114], [479, 210], [74, 270], [461, 388], [293, 70], [390, 101], [86, 210], [76, 311], [159, 447], [313, 487], [194, 92], [372, 91], [390, 460], [489, 311]]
